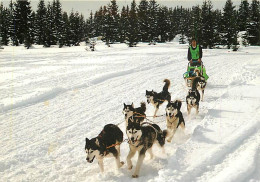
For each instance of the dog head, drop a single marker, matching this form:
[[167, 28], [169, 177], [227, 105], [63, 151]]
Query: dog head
[[133, 132], [91, 149], [197, 72], [202, 84], [192, 95], [173, 108], [128, 110], [149, 95]]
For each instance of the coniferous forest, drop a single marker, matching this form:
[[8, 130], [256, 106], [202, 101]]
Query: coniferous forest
[[145, 21]]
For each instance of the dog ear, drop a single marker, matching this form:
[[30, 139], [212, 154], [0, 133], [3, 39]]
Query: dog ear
[[97, 142], [124, 105], [87, 139], [132, 104], [146, 92]]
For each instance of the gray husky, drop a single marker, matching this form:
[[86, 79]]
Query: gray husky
[[107, 142], [141, 138]]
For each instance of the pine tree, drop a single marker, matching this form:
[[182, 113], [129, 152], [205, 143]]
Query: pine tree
[[243, 15], [207, 24], [124, 24], [21, 13], [143, 18], [163, 24], [13, 40], [41, 23], [30, 34], [196, 24], [229, 25], [66, 31], [4, 24], [133, 31], [217, 24], [58, 23], [114, 21], [50, 28], [153, 10], [254, 25]]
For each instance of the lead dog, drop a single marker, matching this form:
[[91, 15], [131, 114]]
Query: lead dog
[[158, 99], [107, 142], [141, 138], [174, 118]]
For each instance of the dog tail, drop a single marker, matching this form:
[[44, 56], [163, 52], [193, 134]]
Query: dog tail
[[166, 85], [143, 106]]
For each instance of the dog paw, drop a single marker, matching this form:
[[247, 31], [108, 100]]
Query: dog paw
[[135, 176], [130, 167], [121, 163]]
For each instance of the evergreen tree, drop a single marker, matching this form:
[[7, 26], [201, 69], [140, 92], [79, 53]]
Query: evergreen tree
[[163, 24], [4, 24], [22, 14], [243, 15], [66, 30], [229, 25], [217, 24], [58, 23], [207, 24], [143, 18], [50, 28], [254, 25], [114, 21], [41, 23], [13, 40], [196, 24], [153, 9], [133, 31], [124, 24]]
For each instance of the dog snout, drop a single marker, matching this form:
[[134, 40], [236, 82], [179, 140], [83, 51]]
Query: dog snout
[[132, 139], [87, 159]]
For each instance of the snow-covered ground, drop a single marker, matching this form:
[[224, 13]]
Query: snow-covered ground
[[51, 99]]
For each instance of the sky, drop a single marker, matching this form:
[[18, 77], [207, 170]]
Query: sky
[[85, 6]]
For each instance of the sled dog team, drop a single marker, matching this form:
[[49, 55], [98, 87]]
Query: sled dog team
[[143, 135]]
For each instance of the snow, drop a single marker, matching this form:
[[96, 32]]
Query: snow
[[52, 99]]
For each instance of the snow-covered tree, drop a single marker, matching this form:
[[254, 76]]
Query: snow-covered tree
[[254, 24], [143, 20], [41, 23]]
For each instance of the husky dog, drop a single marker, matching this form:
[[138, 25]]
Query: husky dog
[[174, 118], [107, 142], [200, 83], [141, 139], [193, 99], [158, 98], [134, 114]]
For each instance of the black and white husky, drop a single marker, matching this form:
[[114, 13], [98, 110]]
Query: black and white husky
[[141, 138], [107, 142], [158, 99], [193, 97], [134, 114], [174, 118], [200, 83]]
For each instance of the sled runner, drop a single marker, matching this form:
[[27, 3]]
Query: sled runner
[[189, 75]]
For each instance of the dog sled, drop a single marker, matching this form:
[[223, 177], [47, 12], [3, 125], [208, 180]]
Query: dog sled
[[190, 74]]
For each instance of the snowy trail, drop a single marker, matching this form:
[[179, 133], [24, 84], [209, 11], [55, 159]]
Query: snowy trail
[[51, 99]]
